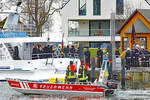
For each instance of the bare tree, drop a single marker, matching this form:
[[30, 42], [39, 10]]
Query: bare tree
[[41, 10], [37, 11], [128, 9]]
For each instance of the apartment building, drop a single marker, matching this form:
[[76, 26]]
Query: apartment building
[[88, 21]]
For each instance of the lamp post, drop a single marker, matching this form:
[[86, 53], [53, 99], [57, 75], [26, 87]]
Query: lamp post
[[148, 1]]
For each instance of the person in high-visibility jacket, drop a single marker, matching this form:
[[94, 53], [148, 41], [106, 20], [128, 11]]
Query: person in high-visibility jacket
[[82, 75], [71, 73]]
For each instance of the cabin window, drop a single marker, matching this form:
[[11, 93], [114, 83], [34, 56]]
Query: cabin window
[[125, 43]]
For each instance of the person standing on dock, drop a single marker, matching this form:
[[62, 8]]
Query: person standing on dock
[[71, 73], [87, 57], [72, 50], [80, 52], [137, 54], [128, 58], [99, 58], [82, 75]]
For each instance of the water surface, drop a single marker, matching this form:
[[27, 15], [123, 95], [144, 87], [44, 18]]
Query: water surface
[[6, 93]]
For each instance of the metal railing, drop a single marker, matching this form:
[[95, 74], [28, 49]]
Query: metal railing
[[47, 81], [89, 32], [140, 61], [54, 55]]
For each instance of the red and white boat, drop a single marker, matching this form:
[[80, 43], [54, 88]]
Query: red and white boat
[[60, 87], [28, 87]]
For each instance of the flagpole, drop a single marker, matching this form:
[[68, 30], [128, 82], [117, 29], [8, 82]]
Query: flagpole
[[133, 36]]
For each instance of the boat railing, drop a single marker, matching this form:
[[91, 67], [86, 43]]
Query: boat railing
[[47, 81], [54, 55]]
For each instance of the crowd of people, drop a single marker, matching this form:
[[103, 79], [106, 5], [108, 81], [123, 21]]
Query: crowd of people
[[49, 51], [40, 52], [83, 74], [138, 57]]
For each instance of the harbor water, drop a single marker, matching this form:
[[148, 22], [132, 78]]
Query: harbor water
[[6, 93]]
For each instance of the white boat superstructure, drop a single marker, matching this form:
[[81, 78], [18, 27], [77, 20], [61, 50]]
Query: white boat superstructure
[[15, 35]]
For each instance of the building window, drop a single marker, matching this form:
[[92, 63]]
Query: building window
[[99, 28], [119, 7], [96, 7], [142, 41], [82, 7]]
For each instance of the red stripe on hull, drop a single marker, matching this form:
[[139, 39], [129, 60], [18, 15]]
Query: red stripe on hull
[[23, 84], [14, 84]]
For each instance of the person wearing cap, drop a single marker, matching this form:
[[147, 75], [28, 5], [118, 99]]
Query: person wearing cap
[[144, 57], [83, 70], [71, 73], [137, 54], [128, 58]]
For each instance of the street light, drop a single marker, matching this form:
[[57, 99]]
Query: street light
[[148, 1]]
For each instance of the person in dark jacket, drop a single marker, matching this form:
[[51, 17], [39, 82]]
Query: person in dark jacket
[[144, 57], [40, 52], [35, 52], [133, 60], [16, 53], [128, 58], [66, 51], [93, 70], [99, 58], [137, 54], [87, 57], [72, 51], [80, 52]]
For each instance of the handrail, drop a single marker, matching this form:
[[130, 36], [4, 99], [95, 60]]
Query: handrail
[[47, 81], [54, 55]]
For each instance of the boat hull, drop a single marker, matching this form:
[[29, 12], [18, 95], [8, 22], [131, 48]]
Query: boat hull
[[61, 89]]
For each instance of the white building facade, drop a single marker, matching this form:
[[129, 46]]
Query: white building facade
[[88, 21]]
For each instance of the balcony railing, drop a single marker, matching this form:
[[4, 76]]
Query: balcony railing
[[89, 32]]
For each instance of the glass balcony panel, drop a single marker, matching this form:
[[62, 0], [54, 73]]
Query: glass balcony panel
[[90, 32]]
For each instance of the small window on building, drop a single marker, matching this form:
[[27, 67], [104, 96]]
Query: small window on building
[[142, 41], [82, 7], [96, 7], [119, 7], [125, 43]]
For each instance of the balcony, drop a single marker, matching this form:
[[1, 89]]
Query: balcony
[[90, 35], [89, 32]]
